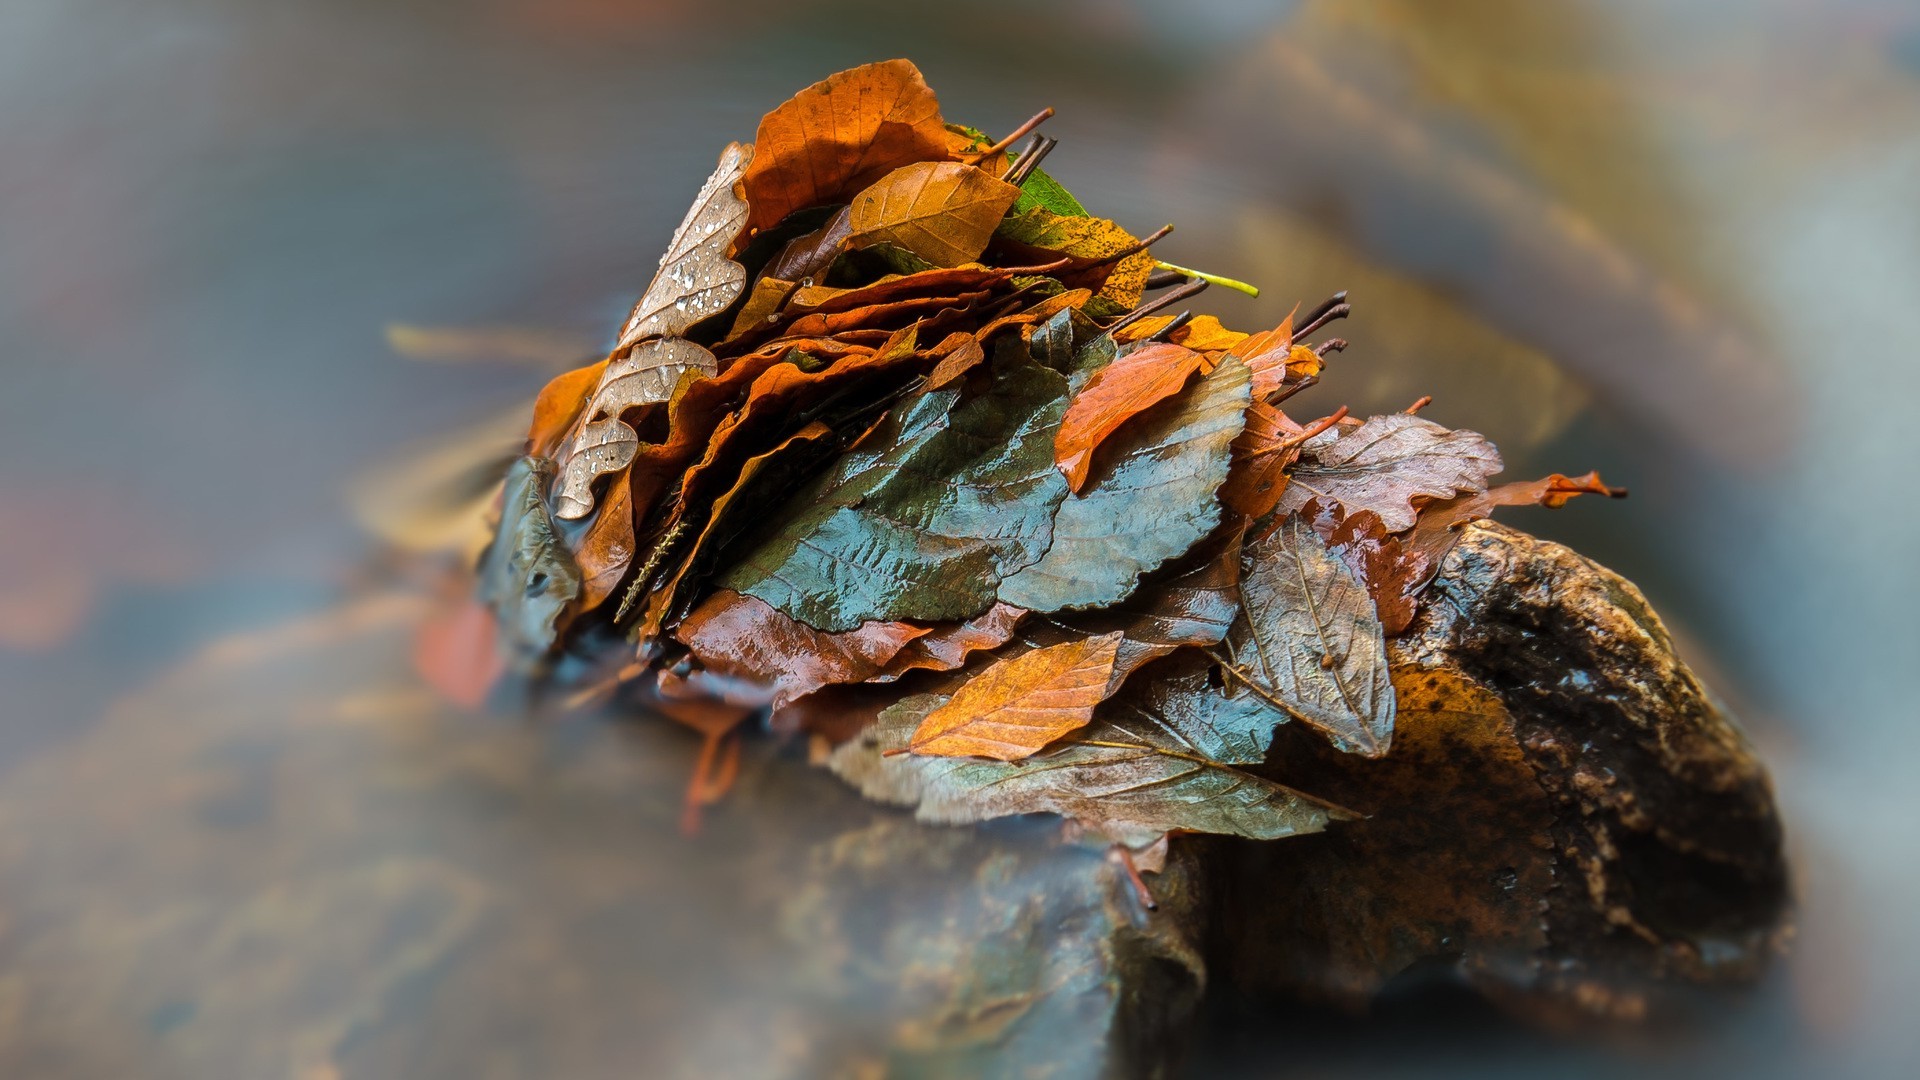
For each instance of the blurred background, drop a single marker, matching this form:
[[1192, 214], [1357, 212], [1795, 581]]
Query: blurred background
[[256, 258]]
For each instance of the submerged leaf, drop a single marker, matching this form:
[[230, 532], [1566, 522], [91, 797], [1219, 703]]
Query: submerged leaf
[[1387, 462], [526, 575], [696, 280], [1152, 498], [1132, 786], [942, 211], [947, 501], [1308, 640], [839, 135], [1016, 706]]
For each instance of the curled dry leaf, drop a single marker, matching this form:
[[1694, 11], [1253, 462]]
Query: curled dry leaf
[[1116, 393], [1261, 456], [1276, 361], [1105, 257], [1308, 640], [696, 280], [1387, 462], [1018, 705], [558, 406], [839, 135], [942, 211], [1439, 526]]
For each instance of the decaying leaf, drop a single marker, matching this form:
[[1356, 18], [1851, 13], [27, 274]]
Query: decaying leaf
[[559, 405], [1309, 642], [1262, 454], [1439, 525], [696, 280], [1016, 706], [1391, 569], [1387, 462], [942, 211], [1152, 498], [946, 647], [744, 638], [1132, 786], [839, 135], [1132, 383], [1106, 258]]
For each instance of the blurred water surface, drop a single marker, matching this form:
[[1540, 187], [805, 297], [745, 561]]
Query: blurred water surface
[[1676, 240]]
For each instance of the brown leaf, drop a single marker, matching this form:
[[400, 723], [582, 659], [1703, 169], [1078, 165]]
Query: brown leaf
[[810, 255], [646, 374], [745, 638], [1308, 640], [558, 406], [1439, 526], [1276, 361], [1018, 705], [606, 548], [947, 647], [942, 211], [1392, 570], [1115, 393], [599, 448], [1386, 463], [1261, 458], [959, 354], [839, 135], [457, 652], [696, 280]]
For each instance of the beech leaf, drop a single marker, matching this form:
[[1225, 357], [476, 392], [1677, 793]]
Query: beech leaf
[[1017, 705], [942, 211], [1131, 786], [947, 647], [1385, 463], [1308, 640], [746, 638], [949, 498], [1153, 497], [1132, 383], [1096, 246], [696, 280], [839, 135]]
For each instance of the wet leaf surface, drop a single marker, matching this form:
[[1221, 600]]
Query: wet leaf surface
[[942, 211], [1386, 463], [1016, 706]]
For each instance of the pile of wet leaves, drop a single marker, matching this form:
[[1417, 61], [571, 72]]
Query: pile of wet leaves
[[904, 449]]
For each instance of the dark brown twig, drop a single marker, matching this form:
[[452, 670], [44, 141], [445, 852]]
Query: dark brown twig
[[1166, 332], [1037, 119], [1031, 160], [1337, 311], [1192, 288], [1319, 310]]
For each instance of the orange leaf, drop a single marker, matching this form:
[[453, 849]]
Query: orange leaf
[[1202, 332], [942, 211], [1258, 476], [1275, 360], [558, 405], [839, 135], [1020, 704], [947, 647], [458, 653], [1117, 392]]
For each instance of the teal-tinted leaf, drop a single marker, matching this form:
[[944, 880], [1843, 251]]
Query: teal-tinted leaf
[[952, 498], [1043, 191], [1153, 496], [1308, 640], [1133, 783], [1178, 701], [527, 575]]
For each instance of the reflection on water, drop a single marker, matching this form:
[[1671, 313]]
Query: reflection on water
[[1676, 241]]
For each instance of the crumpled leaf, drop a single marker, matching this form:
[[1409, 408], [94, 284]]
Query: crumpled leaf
[[1385, 463], [1152, 498], [646, 375], [696, 280], [1132, 383], [1392, 570], [1276, 361], [1439, 526], [599, 448], [839, 135], [1309, 642], [1016, 706], [949, 499], [559, 405], [744, 638], [1132, 786], [526, 575], [942, 211]]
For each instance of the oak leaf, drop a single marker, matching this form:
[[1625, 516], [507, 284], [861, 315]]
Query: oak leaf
[[839, 135], [1016, 706], [696, 280]]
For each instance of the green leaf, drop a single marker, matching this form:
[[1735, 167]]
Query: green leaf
[[1043, 191], [952, 498], [1153, 496], [1308, 640], [527, 575], [1132, 781]]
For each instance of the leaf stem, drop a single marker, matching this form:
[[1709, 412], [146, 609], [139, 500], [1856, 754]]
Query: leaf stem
[[1037, 119], [1237, 286]]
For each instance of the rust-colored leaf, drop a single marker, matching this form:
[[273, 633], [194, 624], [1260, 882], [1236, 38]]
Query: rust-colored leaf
[[457, 652], [1275, 360], [947, 647], [1439, 526], [1261, 455], [1017, 706], [1116, 393], [1386, 463], [1391, 569], [741, 637], [839, 135], [942, 211]]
